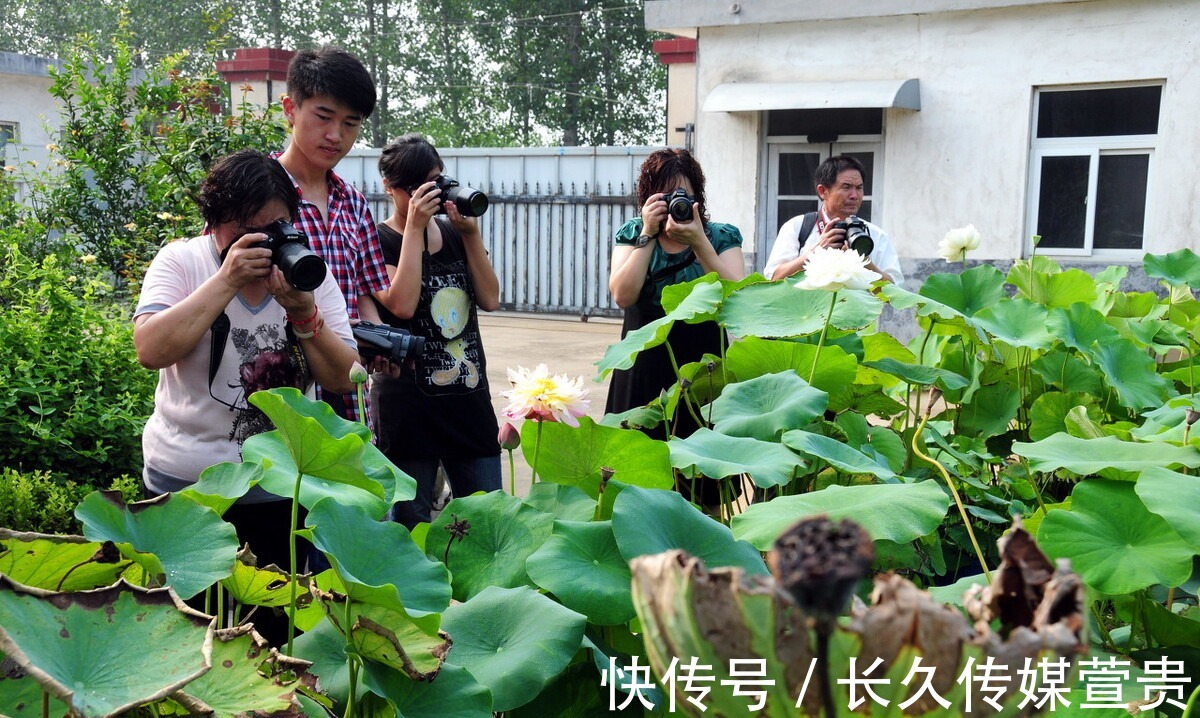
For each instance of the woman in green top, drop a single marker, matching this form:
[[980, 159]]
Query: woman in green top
[[657, 250]]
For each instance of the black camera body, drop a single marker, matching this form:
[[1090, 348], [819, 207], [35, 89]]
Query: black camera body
[[394, 344], [470, 202], [302, 268], [858, 235], [679, 205]]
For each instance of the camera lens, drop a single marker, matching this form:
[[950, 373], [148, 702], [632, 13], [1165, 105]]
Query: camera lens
[[303, 268], [680, 208], [470, 202]]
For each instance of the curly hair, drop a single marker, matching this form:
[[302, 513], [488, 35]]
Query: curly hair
[[661, 172], [241, 184]]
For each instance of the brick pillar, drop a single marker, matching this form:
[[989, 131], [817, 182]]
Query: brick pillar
[[256, 75]]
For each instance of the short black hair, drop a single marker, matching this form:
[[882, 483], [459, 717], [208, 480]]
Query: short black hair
[[828, 171], [331, 71], [406, 161], [241, 184]]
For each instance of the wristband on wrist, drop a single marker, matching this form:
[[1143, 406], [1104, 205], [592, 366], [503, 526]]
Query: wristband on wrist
[[315, 332], [305, 322]]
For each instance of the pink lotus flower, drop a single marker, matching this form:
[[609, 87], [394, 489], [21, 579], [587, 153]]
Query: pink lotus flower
[[539, 396], [509, 437]]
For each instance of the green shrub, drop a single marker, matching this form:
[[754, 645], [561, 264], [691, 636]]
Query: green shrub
[[74, 398], [36, 501]]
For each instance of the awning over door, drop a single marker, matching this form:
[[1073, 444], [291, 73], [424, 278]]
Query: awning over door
[[757, 96]]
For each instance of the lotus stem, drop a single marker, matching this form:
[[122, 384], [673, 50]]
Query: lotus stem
[[351, 665], [537, 449], [821, 341], [512, 474], [954, 491], [292, 564]]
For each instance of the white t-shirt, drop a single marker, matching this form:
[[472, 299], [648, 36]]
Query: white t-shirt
[[190, 428], [787, 247]]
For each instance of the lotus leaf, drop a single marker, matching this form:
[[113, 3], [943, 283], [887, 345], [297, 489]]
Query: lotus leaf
[[581, 565]]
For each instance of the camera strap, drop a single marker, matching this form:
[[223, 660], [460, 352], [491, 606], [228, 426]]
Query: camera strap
[[220, 334], [806, 227]]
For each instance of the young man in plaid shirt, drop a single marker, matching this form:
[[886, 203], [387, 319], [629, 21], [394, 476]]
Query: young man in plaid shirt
[[329, 94]]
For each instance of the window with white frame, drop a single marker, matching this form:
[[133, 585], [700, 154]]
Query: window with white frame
[[8, 133], [1090, 168]]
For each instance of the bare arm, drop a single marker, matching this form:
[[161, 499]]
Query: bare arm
[[630, 264], [483, 276], [163, 338]]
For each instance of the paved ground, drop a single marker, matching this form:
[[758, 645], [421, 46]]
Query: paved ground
[[564, 344]]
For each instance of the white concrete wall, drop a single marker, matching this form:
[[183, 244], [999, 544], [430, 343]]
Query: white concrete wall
[[25, 99], [963, 158]]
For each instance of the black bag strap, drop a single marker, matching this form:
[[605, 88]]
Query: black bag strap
[[220, 333], [806, 227], [671, 269]]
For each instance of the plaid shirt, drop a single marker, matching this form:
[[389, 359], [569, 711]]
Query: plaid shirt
[[350, 247]]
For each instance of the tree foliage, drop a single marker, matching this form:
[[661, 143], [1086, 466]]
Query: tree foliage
[[464, 72]]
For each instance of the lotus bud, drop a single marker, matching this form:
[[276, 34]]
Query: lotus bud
[[358, 374], [509, 437]]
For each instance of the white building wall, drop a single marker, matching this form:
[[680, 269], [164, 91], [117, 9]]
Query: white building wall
[[25, 99], [963, 158]]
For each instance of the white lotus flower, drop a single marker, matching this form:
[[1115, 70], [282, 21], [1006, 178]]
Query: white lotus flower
[[957, 242], [539, 396], [835, 269]]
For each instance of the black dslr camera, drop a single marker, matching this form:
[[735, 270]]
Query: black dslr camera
[[301, 267], [858, 236], [380, 340], [679, 205], [470, 202]]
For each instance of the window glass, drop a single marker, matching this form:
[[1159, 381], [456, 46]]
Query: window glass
[[796, 171], [8, 133], [830, 123], [1099, 113], [1121, 201], [789, 208], [1062, 202]]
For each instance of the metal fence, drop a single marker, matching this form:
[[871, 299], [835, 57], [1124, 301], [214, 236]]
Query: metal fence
[[550, 246]]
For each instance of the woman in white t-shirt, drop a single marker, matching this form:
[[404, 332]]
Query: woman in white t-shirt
[[219, 320]]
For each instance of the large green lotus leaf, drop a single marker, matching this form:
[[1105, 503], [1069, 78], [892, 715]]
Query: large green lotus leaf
[[195, 546], [565, 503], [968, 292], [1090, 456], [989, 411], [21, 695], [1180, 267], [513, 641], [1168, 422], [1048, 414], [707, 453], [415, 647], [582, 566], [1068, 372], [703, 301], [322, 443], [1115, 543], [503, 532], [766, 406], [377, 561], [1176, 498], [325, 647], [779, 309], [1016, 322], [837, 454], [453, 693], [1131, 372], [235, 687], [674, 295], [889, 512], [280, 472], [877, 347], [60, 563], [222, 484], [89, 648], [928, 311], [646, 521], [259, 586], [574, 456], [1062, 289], [1079, 327], [920, 374]]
